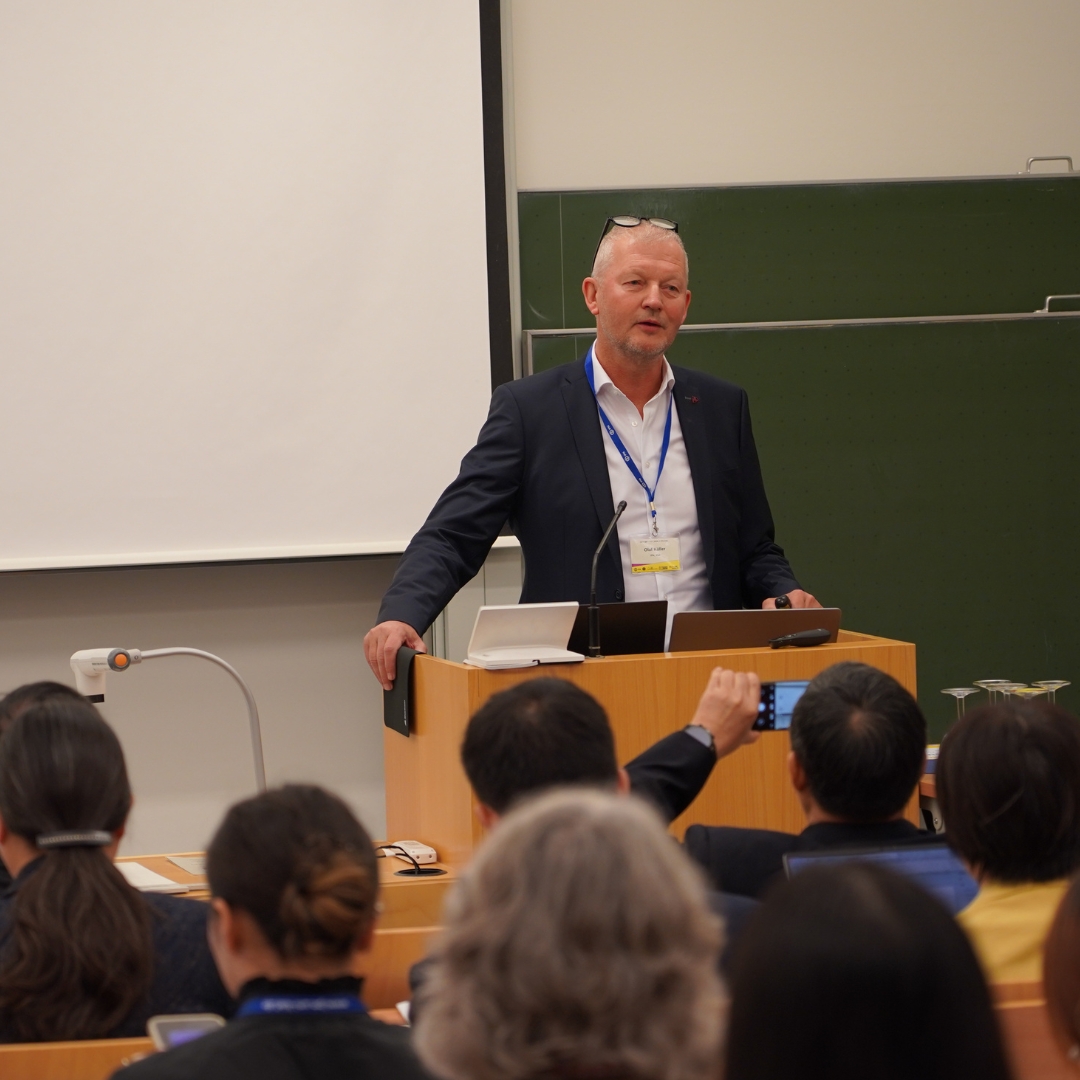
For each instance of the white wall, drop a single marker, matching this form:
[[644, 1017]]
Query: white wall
[[293, 631], [632, 93]]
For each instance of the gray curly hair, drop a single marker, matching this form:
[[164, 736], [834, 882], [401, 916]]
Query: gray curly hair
[[578, 943]]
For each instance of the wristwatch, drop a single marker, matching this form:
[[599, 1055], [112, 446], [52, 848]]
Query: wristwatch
[[703, 735]]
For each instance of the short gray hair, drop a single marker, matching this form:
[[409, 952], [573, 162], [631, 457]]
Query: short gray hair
[[579, 939], [607, 244]]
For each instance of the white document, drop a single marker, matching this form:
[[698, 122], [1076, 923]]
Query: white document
[[191, 864], [146, 880]]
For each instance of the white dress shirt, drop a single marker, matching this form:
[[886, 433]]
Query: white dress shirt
[[686, 589]]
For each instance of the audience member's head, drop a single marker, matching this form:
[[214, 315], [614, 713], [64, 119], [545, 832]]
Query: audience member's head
[[78, 955], [858, 741], [855, 973], [17, 701], [294, 885], [578, 943], [540, 734], [1061, 973], [1008, 782]]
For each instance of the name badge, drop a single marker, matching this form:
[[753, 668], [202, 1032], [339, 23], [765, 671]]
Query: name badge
[[657, 555]]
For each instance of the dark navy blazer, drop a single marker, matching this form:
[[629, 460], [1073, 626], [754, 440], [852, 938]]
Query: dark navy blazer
[[747, 861], [539, 464]]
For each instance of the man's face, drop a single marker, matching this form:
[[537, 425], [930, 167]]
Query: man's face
[[640, 298]]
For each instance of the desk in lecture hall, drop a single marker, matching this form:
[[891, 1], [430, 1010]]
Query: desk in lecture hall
[[411, 915]]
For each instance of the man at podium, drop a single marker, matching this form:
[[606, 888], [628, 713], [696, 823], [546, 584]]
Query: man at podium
[[560, 449]]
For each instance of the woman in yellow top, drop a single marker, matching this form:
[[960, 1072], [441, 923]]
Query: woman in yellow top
[[1008, 781]]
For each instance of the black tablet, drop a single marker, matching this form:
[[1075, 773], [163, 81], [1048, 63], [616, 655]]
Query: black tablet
[[635, 627], [397, 701]]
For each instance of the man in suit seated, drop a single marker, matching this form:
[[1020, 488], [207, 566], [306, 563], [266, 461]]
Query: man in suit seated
[[546, 733], [858, 749]]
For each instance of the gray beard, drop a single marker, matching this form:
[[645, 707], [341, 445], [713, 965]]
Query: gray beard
[[643, 356]]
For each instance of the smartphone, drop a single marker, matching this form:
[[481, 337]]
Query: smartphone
[[168, 1031], [777, 704]]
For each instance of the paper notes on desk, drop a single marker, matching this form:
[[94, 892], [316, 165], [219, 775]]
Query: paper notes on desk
[[190, 864], [146, 880]]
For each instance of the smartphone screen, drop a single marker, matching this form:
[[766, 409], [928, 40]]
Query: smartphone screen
[[168, 1031], [777, 704]]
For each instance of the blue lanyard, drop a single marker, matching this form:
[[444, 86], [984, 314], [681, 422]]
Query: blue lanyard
[[609, 427], [297, 1004]]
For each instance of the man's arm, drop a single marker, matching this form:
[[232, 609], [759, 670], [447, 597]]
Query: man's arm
[[452, 544], [764, 570], [672, 772]]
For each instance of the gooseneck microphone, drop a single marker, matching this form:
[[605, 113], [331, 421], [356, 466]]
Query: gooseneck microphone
[[594, 609]]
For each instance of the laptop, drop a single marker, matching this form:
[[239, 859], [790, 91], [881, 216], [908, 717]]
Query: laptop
[[637, 627], [750, 628], [934, 866], [521, 635]]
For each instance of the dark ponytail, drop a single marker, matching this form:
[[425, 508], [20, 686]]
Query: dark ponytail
[[76, 956], [297, 860]]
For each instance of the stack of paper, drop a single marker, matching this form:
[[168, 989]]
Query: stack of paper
[[146, 880], [192, 864]]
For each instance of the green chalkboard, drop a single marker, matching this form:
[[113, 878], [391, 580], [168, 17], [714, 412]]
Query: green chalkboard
[[923, 476], [824, 251]]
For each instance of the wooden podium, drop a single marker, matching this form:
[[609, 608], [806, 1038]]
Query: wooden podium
[[646, 697]]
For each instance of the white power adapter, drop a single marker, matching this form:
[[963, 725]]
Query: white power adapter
[[420, 853]]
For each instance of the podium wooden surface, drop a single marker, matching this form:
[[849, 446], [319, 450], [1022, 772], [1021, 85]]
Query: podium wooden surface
[[646, 697]]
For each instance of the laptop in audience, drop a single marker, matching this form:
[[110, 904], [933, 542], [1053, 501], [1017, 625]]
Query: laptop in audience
[[934, 866]]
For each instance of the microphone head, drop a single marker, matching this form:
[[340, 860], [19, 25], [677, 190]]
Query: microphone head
[[621, 507]]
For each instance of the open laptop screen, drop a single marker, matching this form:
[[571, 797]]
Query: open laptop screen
[[934, 866]]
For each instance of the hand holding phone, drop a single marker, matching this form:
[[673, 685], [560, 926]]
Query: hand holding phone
[[727, 709]]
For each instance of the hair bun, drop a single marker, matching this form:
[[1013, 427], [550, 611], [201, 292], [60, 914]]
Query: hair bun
[[327, 909]]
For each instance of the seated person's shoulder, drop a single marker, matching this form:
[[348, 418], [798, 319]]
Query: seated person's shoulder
[[210, 1056], [185, 977], [177, 912], [739, 861], [731, 838], [363, 1048]]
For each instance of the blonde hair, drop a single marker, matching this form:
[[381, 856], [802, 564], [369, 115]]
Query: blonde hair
[[579, 942]]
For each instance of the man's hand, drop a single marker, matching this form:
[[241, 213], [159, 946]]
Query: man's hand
[[797, 597], [381, 644], [728, 709]]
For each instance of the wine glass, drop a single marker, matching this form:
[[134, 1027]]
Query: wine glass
[[1009, 688], [1052, 687], [990, 686], [1029, 693], [960, 692]]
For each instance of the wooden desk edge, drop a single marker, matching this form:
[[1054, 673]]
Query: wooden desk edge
[[844, 639], [198, 885]]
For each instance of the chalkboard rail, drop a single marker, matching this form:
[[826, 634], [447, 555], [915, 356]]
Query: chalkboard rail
[[529, 336]]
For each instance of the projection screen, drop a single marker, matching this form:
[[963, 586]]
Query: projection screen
[[243, 295]]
